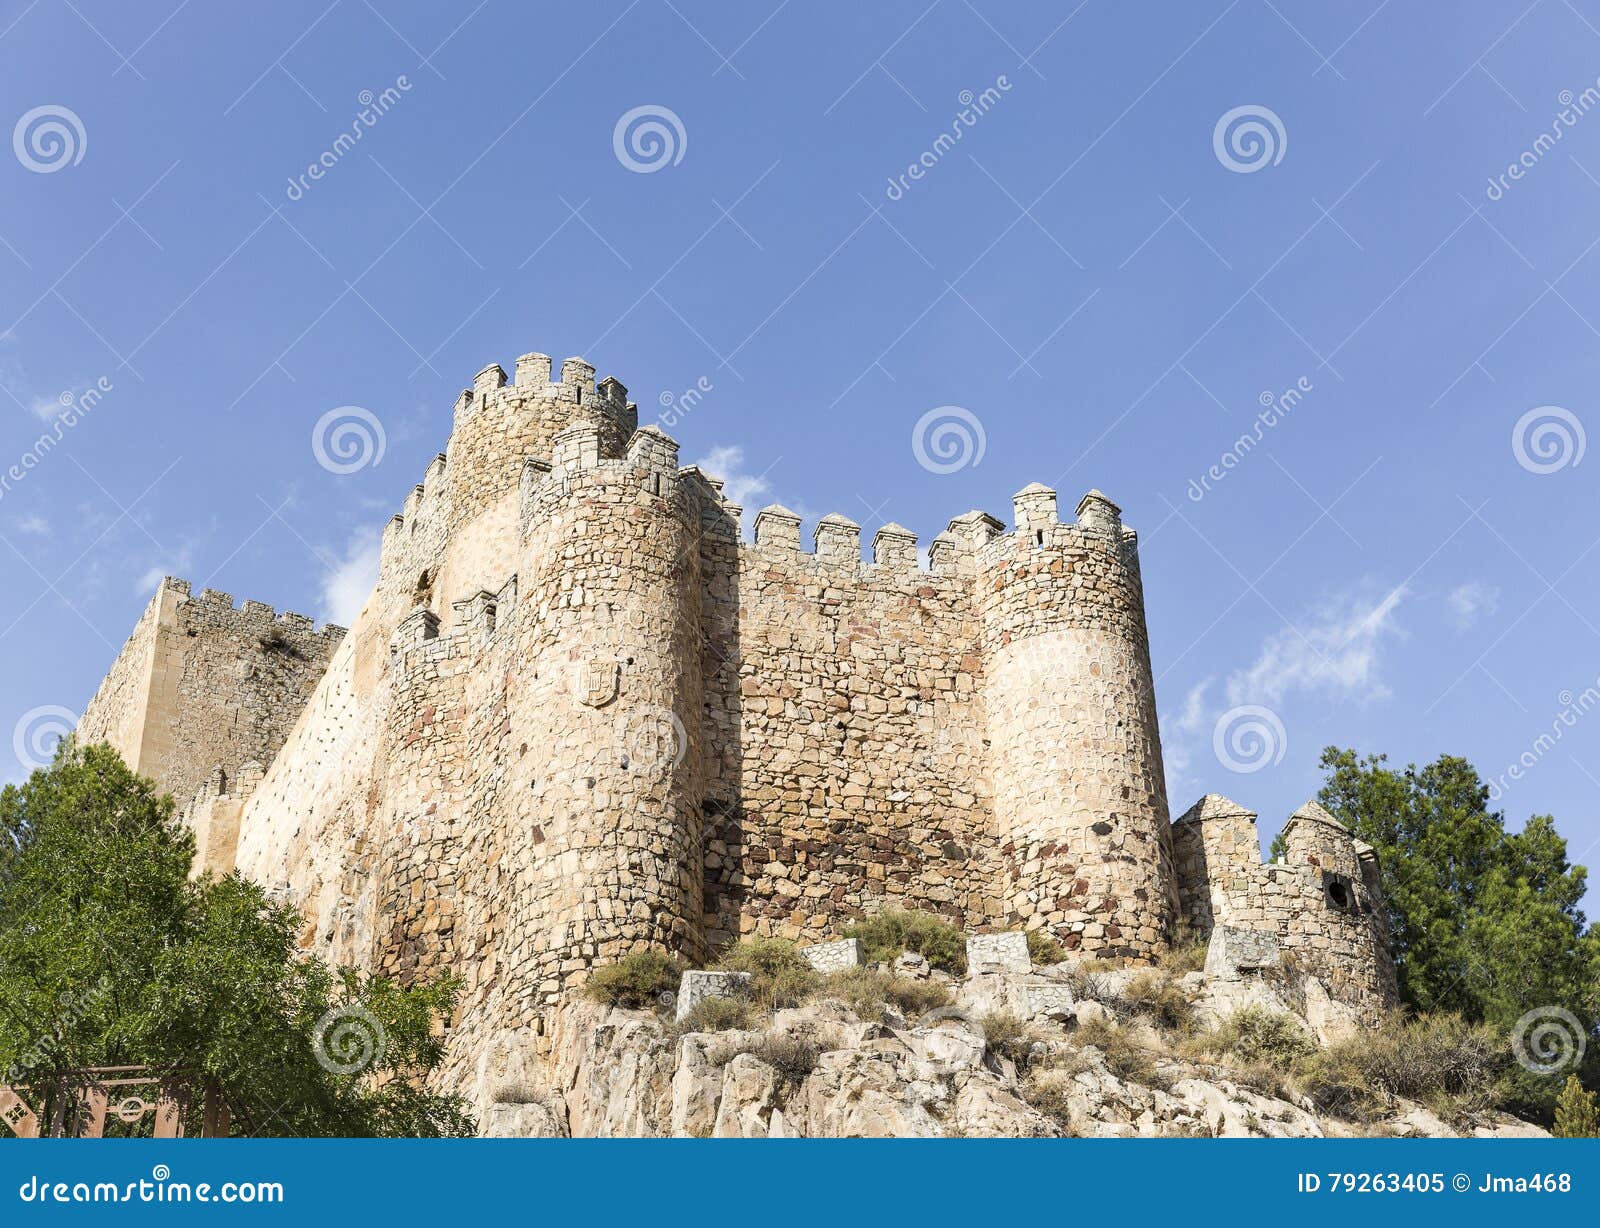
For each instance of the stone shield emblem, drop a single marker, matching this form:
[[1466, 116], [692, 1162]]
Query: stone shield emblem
[[595, 681]]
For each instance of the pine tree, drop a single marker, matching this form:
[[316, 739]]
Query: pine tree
[[1577, 1112]]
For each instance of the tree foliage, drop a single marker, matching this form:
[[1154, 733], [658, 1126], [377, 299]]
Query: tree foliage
[[111, 955], [1483, 922], [1577, 1112]]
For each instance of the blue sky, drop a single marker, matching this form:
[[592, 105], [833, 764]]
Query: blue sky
[[1404, 561]]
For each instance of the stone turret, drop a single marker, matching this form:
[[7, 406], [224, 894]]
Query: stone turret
[[1322, 901], [1080, 801]]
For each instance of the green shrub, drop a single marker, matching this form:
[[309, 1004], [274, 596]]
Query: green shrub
[[1186, 955], [867, 991], [1443, 1060], [718, 1015], [1009, 1037], [1043, 949], [1256, 1035], [888, 933], [637, 981], [779, 974], [1156, 997], [793, 1057], [1577, 1112]]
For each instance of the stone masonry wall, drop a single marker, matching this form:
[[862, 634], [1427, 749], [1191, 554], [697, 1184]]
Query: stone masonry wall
[[202, 685], [863, 779], [1322, 901]]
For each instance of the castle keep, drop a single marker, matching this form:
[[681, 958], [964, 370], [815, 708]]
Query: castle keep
[[579, 715]]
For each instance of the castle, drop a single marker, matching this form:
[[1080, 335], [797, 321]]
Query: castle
[[579, 715]]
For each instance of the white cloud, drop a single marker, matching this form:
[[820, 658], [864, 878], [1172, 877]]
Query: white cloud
[[45, 408], [36, 526], [1179, 738], [174, 564], [1336, 656], [727, 463], [1472, 599], [346, 588]]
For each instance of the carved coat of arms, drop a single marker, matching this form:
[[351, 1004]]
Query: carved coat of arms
[[595, 681]]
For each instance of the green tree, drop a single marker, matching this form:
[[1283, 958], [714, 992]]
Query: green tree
[[1577, 1112], [111, 955], [1483, 921]]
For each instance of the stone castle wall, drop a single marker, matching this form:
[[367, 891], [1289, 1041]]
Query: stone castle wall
[[201, 685], [579, 716]]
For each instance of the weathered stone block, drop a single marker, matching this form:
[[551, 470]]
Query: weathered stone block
[[1047, 1002], [998, 953], [835, 956], [1233, 951], [696, 987]]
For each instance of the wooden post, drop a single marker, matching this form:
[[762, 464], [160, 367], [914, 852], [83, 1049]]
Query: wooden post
[[14, 1111], [92, 1101], [169, 1115]]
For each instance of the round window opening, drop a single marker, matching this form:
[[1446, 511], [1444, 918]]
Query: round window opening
[[1339, 895]]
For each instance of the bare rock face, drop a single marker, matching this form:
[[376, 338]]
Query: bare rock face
[[1011, 1058]]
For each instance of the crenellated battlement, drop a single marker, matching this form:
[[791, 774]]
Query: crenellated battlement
[[219, 607], [535, 379], [971, 543]]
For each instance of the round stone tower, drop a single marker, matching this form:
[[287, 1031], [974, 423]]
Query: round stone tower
[[601, 794], [1080, 803]]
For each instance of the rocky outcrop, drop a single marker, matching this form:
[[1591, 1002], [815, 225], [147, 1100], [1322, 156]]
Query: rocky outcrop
[[1013, 1056]]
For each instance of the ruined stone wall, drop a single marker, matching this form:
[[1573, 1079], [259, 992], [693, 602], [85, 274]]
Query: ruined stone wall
[[1322, 901], [202, 684]]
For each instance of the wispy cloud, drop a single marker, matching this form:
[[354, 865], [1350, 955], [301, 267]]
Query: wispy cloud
[[739, 486], [33, 526], [1181, 730], [1336, 654], [1471, 600], [345, 588], [174, 563]]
